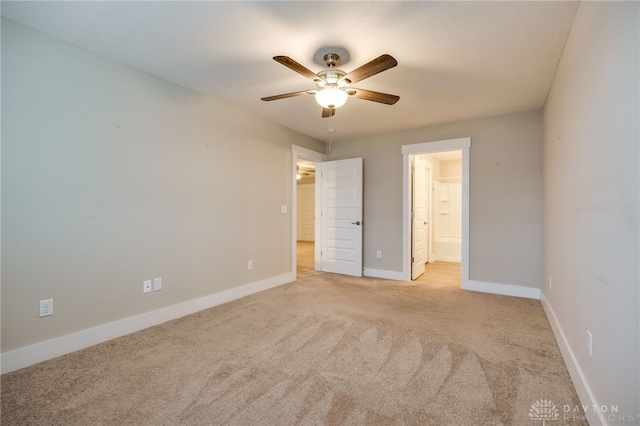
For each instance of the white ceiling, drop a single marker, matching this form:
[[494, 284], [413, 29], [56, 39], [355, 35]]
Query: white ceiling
[[456, 60]]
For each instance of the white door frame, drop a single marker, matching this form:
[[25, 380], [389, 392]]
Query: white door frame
[[299, 152], [462, 144]]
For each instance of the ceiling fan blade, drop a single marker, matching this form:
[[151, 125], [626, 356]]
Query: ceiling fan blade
[[381, 63], [293, 65], [328, 112], [289, 95], [369, 95]]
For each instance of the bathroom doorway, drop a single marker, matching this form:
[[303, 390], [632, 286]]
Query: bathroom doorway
[[447, 217], [436, 209]]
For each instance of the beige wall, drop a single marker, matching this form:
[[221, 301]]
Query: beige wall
[[591, 213], [451, 168], [111, 176], [505, 195]]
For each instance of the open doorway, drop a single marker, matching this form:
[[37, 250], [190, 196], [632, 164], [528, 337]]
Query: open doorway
[[302, 161], [426, 151], [305, 216], [436, 210]]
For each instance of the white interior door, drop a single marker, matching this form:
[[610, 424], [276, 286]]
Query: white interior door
[[341, 216], [420, 226]]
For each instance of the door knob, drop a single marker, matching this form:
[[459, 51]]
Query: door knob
[[355, 223]]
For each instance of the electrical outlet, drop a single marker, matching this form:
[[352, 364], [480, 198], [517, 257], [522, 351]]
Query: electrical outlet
[[379, 254], [46, 308], [589, 343], [146, 286], [250, 265], [157, 284]]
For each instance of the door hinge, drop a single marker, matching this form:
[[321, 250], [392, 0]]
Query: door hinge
[[412, 259]]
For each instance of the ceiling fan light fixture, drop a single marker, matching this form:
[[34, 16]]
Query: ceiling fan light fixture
[[331, 97]]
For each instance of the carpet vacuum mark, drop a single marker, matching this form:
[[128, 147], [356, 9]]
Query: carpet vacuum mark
[[325, 349]]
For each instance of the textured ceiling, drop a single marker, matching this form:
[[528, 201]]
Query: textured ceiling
[[456, 60]]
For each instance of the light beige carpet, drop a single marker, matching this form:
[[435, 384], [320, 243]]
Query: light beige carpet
[[324, 350]]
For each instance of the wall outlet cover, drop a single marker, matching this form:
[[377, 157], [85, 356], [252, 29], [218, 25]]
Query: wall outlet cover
[[46, 308]]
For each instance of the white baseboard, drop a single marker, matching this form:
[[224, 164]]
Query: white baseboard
[[577, 376], [29, 355], [448, 259], [502, 289], [381, 273]]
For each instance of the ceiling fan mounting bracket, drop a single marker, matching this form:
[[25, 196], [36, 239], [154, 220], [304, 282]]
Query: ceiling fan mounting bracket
[[331, 59]]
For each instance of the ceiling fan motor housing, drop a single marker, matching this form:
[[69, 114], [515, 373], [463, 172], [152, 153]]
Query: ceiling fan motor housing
[[331, 77]]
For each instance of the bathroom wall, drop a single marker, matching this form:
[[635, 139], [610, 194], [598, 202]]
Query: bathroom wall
[[447, 208]]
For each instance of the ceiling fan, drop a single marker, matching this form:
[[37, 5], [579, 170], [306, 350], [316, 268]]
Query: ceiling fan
[[304, 171], [334, 85]]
